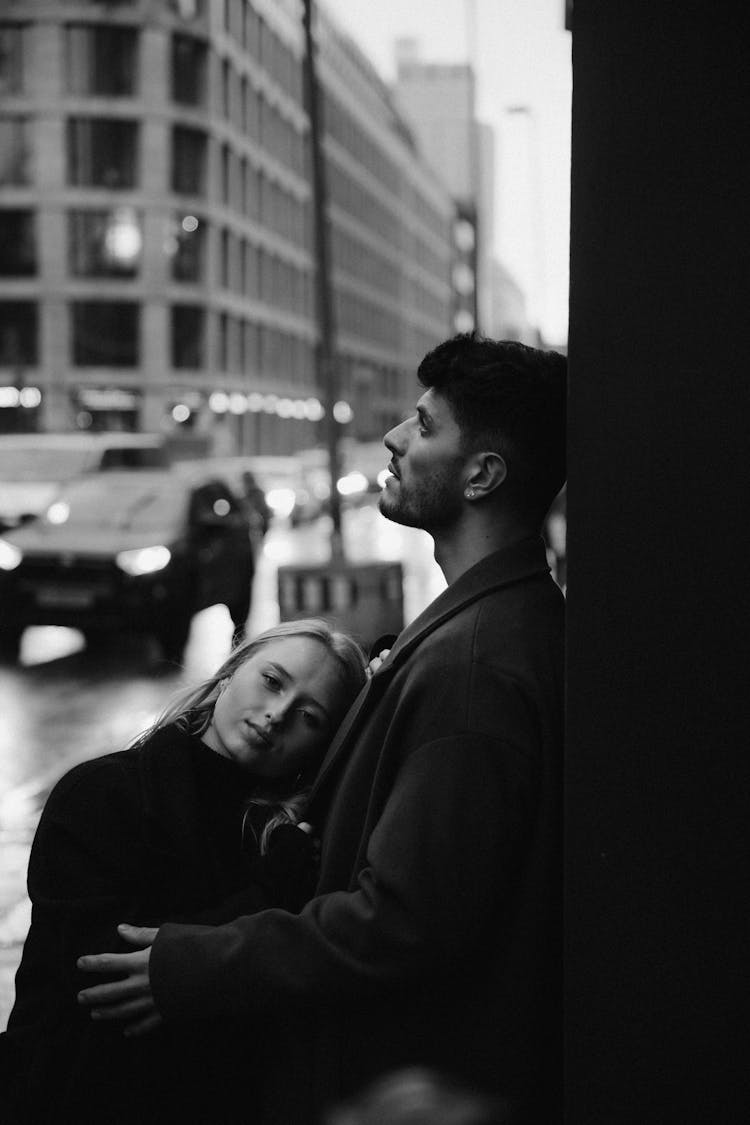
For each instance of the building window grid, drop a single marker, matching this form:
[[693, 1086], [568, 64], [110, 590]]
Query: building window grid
[[188, 247], [285, 279], [18, 254], [15, 151], [224, 259], [105, 333], [101, 60], [189, 147], [187, 336], [188, 76], [102, 152], [19, 334], [12, 48], [93, 247]]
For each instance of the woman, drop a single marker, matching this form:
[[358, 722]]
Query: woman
[[195, 821]]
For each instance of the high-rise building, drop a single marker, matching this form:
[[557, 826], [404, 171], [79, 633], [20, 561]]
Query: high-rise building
[[156, 263], [439, 102]]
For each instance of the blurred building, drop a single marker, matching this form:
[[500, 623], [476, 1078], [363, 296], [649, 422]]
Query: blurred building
[[439, 102], [509, 318], [156, 265]]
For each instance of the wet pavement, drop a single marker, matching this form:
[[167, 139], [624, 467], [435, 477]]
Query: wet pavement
[[63, 704]]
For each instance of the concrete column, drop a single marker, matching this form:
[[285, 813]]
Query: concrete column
[[658, 769]]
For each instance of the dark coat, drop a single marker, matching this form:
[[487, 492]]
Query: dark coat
[[127, 837], [435, 934]]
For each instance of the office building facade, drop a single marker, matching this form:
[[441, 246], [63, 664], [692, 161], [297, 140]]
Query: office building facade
[[156, 258]]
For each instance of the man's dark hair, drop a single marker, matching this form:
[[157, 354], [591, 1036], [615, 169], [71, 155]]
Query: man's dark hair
[[510, 399]]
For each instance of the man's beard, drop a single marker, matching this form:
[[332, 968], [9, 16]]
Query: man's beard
[[430, 506]]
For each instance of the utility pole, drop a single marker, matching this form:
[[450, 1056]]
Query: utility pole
[[326, 365]]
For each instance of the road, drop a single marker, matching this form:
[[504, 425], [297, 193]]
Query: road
[[63, 704]]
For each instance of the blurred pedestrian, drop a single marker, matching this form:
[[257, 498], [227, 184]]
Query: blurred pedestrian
[[196, 821], [257, 509], [434, 937]]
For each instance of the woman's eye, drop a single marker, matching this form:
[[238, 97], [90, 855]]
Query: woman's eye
[[272, 681], [309, 718]]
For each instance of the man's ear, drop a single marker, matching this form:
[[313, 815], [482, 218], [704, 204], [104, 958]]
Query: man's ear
[[486, 473]]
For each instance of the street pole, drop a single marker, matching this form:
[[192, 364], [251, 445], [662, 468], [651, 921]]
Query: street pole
[[326, 365]]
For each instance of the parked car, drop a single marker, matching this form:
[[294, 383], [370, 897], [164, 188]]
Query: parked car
[[33, 466], [128, 552]]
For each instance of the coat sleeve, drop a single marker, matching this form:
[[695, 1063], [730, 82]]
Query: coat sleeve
[[442, 858], [83, 867], [285, 876]]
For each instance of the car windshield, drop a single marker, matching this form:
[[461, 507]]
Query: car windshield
[[42, 464], [114, 504]]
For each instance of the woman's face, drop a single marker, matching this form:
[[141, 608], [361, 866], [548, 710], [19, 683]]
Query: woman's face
[[280, 708]]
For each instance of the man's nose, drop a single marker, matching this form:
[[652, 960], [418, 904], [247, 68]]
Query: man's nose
[[394, 439]]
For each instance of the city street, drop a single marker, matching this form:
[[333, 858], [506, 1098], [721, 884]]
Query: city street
[[63, 704]]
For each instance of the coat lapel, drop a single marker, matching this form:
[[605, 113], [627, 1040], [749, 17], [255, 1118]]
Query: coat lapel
[[502, 568]]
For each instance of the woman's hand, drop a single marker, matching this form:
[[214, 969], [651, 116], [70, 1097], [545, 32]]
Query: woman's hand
[[131, 998]]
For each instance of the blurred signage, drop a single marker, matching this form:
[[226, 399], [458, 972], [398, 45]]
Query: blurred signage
[[107, 398]]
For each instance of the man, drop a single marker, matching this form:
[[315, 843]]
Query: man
[[434, 937]]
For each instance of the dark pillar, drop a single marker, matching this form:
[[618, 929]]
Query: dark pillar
[[658, 771]]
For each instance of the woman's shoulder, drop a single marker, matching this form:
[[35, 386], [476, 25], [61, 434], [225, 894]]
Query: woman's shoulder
[[104, 776]]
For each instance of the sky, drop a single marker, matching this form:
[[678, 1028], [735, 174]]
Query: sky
[[521, 53]]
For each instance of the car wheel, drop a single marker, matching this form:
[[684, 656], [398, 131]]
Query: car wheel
[[10, 644]]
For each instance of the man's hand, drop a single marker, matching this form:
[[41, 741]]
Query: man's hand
[[129, 999]]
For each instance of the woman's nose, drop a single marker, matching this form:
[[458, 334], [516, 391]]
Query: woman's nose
[[276, 712]]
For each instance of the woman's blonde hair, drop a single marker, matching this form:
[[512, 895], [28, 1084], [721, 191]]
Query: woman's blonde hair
[[192, 709]]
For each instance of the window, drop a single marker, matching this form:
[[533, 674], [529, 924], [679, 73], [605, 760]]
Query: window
[[105, 333], [105, 243], [189, 248], [223, 343], [18, 334], [224, 260], [188, 160], [225, 174], [101, 59], [188, 70], [17, 244], [187, 335], [102, 152], [225, 83], [11, 58], [15, 151]]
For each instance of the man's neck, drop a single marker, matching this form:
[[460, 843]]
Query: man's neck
[[461, 547]]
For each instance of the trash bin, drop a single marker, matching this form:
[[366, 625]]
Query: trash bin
[[365, 600]]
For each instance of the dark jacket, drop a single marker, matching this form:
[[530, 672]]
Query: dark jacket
[[143, 835], [434, 937]]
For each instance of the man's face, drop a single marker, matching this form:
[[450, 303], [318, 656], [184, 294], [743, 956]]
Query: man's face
[[426, 488]]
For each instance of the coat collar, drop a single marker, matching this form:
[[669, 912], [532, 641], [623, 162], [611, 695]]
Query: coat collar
[[521, 561], [505, 567]]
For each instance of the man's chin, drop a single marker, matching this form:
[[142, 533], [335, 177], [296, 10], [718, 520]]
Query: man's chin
[[389, 507]]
